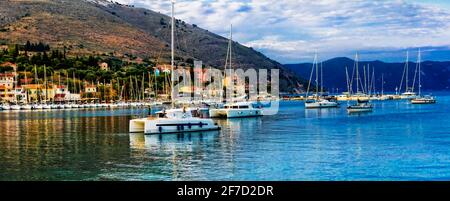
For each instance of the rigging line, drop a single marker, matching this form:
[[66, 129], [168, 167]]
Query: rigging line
[[415, 74], [403, 76]]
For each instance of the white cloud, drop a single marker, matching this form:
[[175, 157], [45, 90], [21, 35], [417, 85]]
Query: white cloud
[[291, 30]]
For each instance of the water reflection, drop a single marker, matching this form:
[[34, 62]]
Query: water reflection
[[322, 112], [296, 144], [171, 141], [35, 146]]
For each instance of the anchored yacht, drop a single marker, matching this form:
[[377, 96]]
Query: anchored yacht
[[361, 106], [236, 110], [173, 120]]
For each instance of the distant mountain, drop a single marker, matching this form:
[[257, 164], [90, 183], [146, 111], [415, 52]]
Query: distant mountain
[[102, 27], [435, 75]]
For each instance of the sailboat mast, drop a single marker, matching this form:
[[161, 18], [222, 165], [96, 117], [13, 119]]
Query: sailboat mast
[[365, 80], [420, 83], [26, 91], [45, 83], [321, 78], [143, 85], [172, 53], [68, 83], [156, 85], [357, 74], [317, 80], [407, 67], [346, 76], [37, 82]]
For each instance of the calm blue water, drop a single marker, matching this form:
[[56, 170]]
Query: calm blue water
[[398, 141]]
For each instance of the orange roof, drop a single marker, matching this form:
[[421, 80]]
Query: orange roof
[[33, 86], [7, 75], [8, 64]]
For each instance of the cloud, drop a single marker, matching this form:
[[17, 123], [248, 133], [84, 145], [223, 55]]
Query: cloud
[[292, 30]]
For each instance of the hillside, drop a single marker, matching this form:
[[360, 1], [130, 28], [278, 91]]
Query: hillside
[[103, 28], [435, 75]]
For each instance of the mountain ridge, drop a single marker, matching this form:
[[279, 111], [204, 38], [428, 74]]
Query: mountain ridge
[[107, 28], [435, 74]]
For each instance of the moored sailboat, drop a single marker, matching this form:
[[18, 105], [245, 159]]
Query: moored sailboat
[[317, 101], [422, 99], [360, 106], [172, 120]]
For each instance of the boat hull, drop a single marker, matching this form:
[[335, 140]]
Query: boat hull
[[321, 105], [235, 113], [423, 101], [168, 126], [359, 109]]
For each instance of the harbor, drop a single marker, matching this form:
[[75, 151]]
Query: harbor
[[250, 93], [397, 141]]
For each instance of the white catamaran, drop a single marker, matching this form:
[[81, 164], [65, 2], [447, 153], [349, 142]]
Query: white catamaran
[[172, 120]]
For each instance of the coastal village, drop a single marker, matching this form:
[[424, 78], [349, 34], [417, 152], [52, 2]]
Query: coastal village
[[38, 84]]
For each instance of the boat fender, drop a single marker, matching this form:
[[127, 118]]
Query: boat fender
[[200, 125], [160, 129], [178, 127], [189, 125]]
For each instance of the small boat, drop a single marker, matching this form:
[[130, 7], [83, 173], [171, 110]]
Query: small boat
[[408, 95], [113, 105], [320, 103], [38, 107], [16, 107], [361, 106], [236, 110], [26, 107], [424, 100], [6, 107], [47, 107]]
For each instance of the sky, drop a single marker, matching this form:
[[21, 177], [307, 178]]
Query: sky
[[292, 31]]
